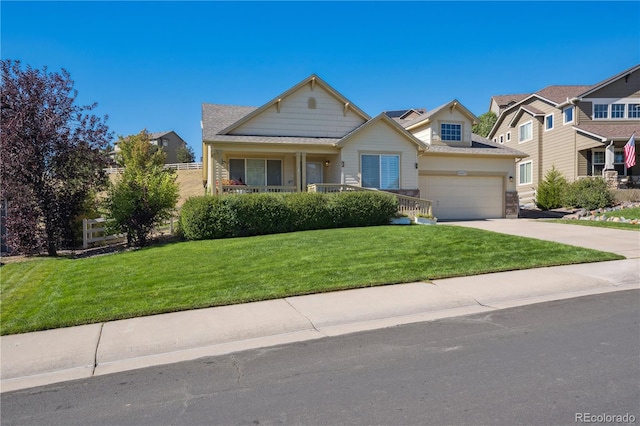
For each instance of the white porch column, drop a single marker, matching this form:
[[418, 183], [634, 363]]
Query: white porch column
[[210, 181], [219, 162], [298, 173], [304, 172]]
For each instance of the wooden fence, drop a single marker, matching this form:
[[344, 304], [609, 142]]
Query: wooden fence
[[174, 166], [94, 231]]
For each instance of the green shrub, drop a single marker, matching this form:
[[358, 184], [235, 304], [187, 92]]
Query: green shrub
[[367, 208], [203, 218], [309, 210], [259, 214], [590, 194], [210, 217], [551, 190]]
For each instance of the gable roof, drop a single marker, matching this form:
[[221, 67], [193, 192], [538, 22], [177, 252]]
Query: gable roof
[[535, 112], [559, 94], [401, 114], [609, 80], [313, 79], [410, 124], [504, 101], [216, 117], [391, 123]]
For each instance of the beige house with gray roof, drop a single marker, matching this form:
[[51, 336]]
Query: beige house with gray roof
[[572, 128], [312, 134]]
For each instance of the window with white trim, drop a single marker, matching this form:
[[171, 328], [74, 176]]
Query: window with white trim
[[525, 132], [600, 111], [501, 138], [380, 171], [525, 173], [508, 136], [633, 111], [567, 114], [598, 159], [617, 110], [451, 132], [256, 171], [548, 122]]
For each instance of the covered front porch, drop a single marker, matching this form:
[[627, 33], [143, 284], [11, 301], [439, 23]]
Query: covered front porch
[[232, 171]]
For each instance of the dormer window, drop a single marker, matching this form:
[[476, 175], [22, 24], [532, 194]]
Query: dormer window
[[451, 132]]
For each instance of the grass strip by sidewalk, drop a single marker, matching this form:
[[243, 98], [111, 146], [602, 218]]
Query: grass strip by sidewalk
[[50, 293]]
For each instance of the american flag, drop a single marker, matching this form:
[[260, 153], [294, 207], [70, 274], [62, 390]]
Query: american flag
[[630, 152]]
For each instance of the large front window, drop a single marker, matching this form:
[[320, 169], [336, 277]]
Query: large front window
[[381, 171], [256, 171], [524, 173], [598, 160], [617, 110], [525, 132], [451, 132]]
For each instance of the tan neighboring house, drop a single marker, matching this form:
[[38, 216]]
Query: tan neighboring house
[[581, 130], [312, 134], [168, 141]]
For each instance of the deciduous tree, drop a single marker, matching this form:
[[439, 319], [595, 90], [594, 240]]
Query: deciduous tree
[[487, 120], [52, 154], [145, 195]]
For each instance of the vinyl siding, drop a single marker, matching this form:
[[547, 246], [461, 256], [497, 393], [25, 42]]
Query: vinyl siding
[[296, 118], [455, 117], [622, 88], [380, 139]]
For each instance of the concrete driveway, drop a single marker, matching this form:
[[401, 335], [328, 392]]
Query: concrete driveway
[[625, 243]]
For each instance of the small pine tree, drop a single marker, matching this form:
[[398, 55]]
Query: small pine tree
[[551, 190]]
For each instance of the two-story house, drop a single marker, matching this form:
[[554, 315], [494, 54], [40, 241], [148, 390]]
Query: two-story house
[[312, 134], [168, 141], [572, 128]]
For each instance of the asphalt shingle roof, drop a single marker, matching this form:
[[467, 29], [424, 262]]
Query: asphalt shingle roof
[[479, 146], [611, 131], [560, 94], [216, 117]]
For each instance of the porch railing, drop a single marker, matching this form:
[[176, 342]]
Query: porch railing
[[253, 189], [410, 206]]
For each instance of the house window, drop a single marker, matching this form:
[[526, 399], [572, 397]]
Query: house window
[[567, 113], [634, 111], [501, 138], [524, 132], [381, 171], [548, 122], [508, 136], [597, 161], [450, 132], [600, 111], [617, 110], [524, 173], [254, 171]]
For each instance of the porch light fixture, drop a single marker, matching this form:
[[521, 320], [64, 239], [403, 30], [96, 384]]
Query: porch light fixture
[[416, 165], [326, 163], [510, 178], [342, 164]]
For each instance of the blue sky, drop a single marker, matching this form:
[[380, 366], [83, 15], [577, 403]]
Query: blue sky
[[152, 64]]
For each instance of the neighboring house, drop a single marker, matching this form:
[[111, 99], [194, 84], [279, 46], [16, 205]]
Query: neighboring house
[[313, 134], [572, 128], [168, 141], [501, 102]]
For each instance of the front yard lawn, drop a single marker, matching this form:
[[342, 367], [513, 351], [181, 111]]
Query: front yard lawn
[[48, 293]]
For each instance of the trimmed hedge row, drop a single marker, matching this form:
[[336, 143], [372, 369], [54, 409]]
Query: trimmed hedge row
[[207, 217]]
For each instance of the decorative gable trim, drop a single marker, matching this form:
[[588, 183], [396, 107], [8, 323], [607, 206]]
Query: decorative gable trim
[[313, 80], [623, 74], [452, 105], [534, 112]]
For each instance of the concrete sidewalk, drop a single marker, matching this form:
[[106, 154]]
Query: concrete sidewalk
[[45, 357]]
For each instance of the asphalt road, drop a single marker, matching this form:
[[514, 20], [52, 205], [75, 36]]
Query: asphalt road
[[549, 363]]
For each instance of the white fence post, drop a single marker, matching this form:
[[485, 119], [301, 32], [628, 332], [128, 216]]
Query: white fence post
[[85, 239]]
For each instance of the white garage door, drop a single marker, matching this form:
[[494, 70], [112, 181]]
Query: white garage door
[[464, 197]]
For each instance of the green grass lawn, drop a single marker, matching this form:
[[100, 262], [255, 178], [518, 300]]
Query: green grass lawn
[[48, 293], [630, 213]]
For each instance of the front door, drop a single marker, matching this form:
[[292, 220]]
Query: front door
[[314, 172]]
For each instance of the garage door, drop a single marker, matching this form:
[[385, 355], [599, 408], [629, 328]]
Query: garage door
[[464, 197]]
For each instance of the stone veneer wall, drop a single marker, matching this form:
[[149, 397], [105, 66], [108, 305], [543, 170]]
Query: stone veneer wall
[[511, 204]]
